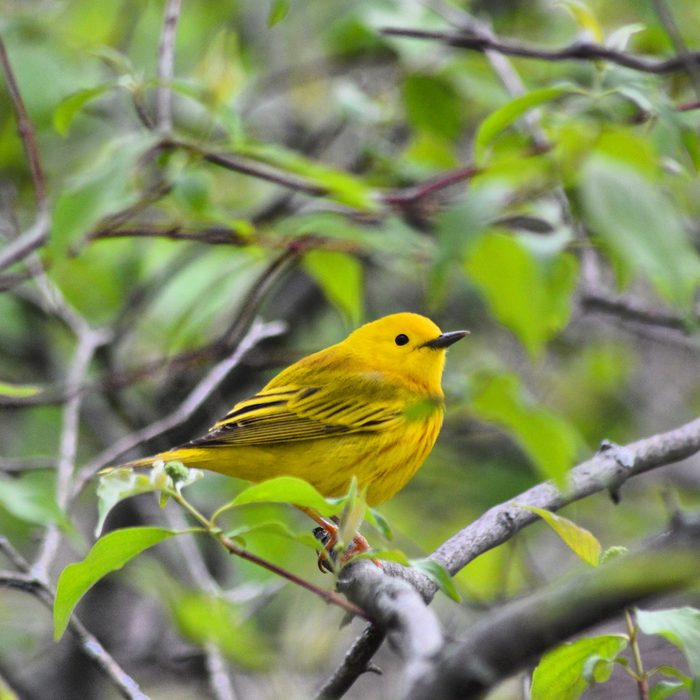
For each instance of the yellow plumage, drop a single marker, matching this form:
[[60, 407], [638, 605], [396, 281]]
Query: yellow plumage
[[370, 406]]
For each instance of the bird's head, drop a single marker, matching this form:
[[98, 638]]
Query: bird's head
[[407, 344]]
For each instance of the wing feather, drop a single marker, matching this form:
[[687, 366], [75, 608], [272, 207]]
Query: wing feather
[[289, 413]]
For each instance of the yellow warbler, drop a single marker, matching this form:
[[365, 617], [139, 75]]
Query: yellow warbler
[[370, 406]]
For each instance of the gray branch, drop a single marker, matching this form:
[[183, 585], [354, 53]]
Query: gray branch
[[521, 631], [608, 470]]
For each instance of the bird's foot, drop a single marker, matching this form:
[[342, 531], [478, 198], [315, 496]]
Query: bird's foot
[[327, 535]]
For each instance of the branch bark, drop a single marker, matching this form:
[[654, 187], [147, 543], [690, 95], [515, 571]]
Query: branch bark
[[518, 633], [608, 470], [579, 51]]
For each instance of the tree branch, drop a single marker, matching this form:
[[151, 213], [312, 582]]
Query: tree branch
[[25, 128], [608, 470], [521, 631], [412, 629], [36, 234], [27, 581], [578, 51], [630, 309], [249, 167], [88, 341], [356, 662], [257, 332]]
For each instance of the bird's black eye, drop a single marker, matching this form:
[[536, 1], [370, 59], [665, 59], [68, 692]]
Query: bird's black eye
[[401, 339]]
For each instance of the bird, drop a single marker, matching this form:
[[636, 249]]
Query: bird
[[368, 407]]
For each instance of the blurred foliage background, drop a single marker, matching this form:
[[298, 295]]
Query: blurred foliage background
[[318, 171]]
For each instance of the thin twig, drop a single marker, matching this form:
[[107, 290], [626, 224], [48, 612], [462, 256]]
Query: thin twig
[[328, 596], [630, 309], [639, 674], [257, 332], [13, 556], [414, 193], [27, 242], [166, 62], [580, 51], [251, 302], [211, 235], [35, 235], [219, 680], [88, 341], [25, 128], [27, 581], [356, 662], [213, 350], [252, 168]]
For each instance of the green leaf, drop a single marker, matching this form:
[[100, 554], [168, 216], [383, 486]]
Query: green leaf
[[287, 489], [581, 541], [208, 619], [378, 521], [108, 554], [561, 672], [278, 11], [30, 498], [530, 295], [274, 526], [681, 626], [68, 108], [433, 105], [666, 689], [118, 484], [340, 277], [548, 440], [269, 518], [641, 226], [19, 391], [439, 574], [597, 669], [504, 116]]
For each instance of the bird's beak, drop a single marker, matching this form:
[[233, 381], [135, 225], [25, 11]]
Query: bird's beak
[[446, 339]]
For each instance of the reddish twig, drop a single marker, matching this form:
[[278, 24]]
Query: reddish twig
[[248, 167], [211, 235], [35, 236], [414, 193], [25, 128]]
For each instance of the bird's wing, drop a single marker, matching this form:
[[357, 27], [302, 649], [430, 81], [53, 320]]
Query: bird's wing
[[290, 413]]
